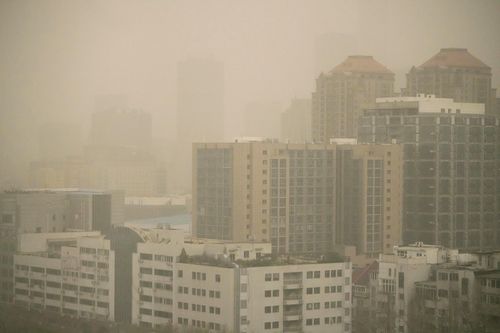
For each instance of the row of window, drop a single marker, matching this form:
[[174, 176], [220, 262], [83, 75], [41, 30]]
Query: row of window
[[88, 250], [157, 285], [328, 274], [157, 313], [157, 300], [198, 308], [65, 299], [157, 257], [271, 325], [492, 283], [199, 324], [158, 272]]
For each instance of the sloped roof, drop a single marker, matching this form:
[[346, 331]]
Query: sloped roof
[[361, 64], [361, 276], [454, 57]]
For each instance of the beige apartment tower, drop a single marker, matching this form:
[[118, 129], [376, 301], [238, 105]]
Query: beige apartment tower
[[457, 74], [341, 94], [297, 195]]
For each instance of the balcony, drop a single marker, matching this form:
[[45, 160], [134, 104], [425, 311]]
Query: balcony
[[292, 284], [292, 329], [292, 315], [296, 300]]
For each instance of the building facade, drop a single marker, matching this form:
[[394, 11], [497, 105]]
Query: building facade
[[237, 287], [49, 211], [428, 288], [451, 158], [342, 93], [70, 273], [297, 196], [454, 73]]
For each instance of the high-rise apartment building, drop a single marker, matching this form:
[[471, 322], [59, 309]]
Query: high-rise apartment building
[[200, 113], [451, 158], [369, 196], [342, 93], [200, 100], [121, 128], [296, 121], [454, 73], [69, 273], [298, 196]]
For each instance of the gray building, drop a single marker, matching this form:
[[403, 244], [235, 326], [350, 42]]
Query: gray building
[[451, 175], [46, 211]]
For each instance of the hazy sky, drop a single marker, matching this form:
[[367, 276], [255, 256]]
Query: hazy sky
[[56, 56]]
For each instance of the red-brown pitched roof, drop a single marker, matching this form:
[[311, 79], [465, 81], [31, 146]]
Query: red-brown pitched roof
[[454, 57], [361, 276], [360, 64]]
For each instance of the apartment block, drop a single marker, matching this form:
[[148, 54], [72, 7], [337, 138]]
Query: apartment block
[[451, 155], [237, 287], [342, 93], [70, 273], [50, 211], [297, 196], [369, 196], [454, 73], [427, 288], [265, 191]]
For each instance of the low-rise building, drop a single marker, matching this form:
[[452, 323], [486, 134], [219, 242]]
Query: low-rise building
[[71, 273], [428, 288], [236, 287]]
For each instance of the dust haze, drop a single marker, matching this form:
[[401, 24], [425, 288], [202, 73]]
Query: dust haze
[[59, 58]]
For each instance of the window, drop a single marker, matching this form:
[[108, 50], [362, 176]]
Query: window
[[465, 286], [217, 278], [268, 277], [179, 273], [276, 276], [267, 293], [146, 256]]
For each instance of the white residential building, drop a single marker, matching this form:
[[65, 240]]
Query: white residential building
[[396, 278], [235, 287], [71, 273]]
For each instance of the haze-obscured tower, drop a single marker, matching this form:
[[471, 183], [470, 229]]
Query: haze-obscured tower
[[200, 100], [296, 121], [454, 73], [121, 127], [341, 94]]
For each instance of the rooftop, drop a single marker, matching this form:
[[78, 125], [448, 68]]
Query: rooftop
[[361, 64], [454, 57]]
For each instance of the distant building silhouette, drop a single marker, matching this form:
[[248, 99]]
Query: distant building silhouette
[[296, 121], [200, 100], [342, 93]]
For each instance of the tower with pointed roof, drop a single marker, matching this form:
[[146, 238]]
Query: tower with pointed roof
[[454, 73], [342, 93]]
